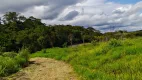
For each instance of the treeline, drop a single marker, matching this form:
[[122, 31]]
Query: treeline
[[120, 34], [17, 31]]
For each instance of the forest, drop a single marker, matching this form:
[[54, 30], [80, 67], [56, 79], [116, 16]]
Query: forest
[[18, 31]]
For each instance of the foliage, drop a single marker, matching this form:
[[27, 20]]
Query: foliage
[[9, 54], [7, 66], [94, 42], [92, 61], [102, 62], [19, 31], [64, 45], [11, 62], [24, 53], [114, 43]]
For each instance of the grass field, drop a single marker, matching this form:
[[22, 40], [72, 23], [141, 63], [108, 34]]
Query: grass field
[[113, 60]]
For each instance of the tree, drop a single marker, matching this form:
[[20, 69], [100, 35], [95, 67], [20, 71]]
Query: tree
[[10, 17], [0, 20], [22, 18], [19, 31], [51, 36], [70, 37]]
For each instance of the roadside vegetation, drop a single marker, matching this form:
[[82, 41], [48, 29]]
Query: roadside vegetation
[[112, 60], [11, 62]]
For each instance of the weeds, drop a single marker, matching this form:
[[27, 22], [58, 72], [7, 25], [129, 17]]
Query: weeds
[[11, 62], [113, 60], [115, 43]]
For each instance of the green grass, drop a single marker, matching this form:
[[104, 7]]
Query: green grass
[[113, 60], [11, 62]]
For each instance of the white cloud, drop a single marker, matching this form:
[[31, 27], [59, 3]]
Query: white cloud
[[100, 14], [36, 11]]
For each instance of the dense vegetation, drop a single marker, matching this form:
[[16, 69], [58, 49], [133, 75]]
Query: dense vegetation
[[18, 31], [113, 60], [11, 62], [106, 57]]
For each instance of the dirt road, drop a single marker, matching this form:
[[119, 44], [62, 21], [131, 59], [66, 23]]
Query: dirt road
[[45, 69]]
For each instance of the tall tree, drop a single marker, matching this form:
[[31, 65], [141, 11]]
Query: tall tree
[[10, 17]]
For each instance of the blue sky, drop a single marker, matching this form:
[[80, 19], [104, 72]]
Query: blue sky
[[126, 1]]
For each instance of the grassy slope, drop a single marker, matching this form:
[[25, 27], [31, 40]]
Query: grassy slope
[[104, 61]]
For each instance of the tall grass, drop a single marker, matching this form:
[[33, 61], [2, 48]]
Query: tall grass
[[113, 60], [11, 62]]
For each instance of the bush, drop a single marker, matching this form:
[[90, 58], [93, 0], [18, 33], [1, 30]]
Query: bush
[[2, 49], [114, 43], [11, 62], [44, 50], [24, 53], [94, 42], [64, 45], [20, 60], [8, 66], [9, 54], [1, 53]]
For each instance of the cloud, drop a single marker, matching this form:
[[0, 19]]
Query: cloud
[[50, 8], [101, 14], [71, 15], [19, 5], [136, 8], [108, 15], [121, 10], [56, 7]]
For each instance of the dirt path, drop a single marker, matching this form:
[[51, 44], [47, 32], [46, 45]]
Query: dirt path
[[45, 69]]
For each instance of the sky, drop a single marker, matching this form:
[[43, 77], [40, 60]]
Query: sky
[[125, 1], [104, 15]]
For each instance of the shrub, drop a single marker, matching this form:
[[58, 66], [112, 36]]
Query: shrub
[[1, 53], [116, 56], [2, 49], [114, 43], [24, 57], [24, 53], [9, 54], [94, 42], [64, 45], [11, 62], [131, 51], [44, 50], [20, 60], [8, 66]]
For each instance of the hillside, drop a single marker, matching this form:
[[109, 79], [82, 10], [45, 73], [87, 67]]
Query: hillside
[[113, 60], [71, 40], [107, 56]]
